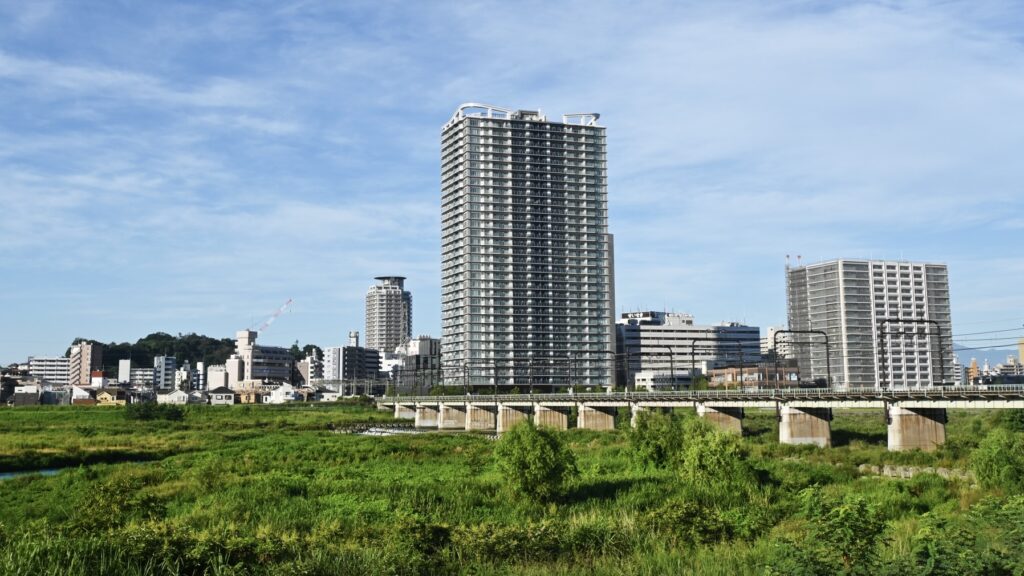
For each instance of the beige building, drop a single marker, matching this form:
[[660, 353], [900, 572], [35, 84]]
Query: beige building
[[85, 357], [253, 363]]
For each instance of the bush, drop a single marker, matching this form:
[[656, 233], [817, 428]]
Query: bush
[[998, 462], [154, 411], [535, 462], [657, 440]]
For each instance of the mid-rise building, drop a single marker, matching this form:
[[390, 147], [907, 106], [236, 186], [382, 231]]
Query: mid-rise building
[[52, 370], [84, 359], [421, 363], [526, 259], [776, 345], [888, 322], [164, 368], [388, 314], [256, 363], [666, 349], [352, 362], [124, 371]]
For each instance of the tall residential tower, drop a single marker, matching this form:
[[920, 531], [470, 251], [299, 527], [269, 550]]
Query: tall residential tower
[[888, 323], [527, 295], [388, 314]]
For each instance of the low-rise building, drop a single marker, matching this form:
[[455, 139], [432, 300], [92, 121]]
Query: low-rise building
[[173, 397], [111, 397], [222, 396]]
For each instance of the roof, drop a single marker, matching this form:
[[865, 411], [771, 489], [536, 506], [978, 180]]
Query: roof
[[221, 390]]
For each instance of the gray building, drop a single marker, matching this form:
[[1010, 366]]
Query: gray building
[[388, 314], [526, 277], [666, 349], [164, 368], [888, 322]]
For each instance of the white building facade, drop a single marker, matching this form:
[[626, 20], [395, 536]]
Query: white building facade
[[388, 314], [888, 322], [526, 254], [53, 370]]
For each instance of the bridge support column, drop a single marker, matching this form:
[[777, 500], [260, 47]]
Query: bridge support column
[[481, 417], [509, 416], [728, 419], [805, 426], [634, 414], [916, 428], [405, 412], [596, 417], [426, 416], [556, 417], [453, 417]]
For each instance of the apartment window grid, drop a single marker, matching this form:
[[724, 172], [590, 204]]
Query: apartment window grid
[[525, 253], [870, 292]]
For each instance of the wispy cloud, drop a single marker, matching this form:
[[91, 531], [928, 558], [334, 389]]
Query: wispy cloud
[[186, 167]]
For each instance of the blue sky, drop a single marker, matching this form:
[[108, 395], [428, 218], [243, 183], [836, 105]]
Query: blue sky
[[189, 166]]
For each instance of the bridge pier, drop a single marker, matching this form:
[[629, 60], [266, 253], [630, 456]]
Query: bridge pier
[[426, 416], [481, 417], [509, 416], [453, 417], [596, 417], [405, 412], [556, 417], [916, 428], [725, 418], [634, 414], [805, 426]]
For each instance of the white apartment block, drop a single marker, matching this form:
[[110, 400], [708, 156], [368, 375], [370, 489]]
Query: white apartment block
[[388, 314], [888, 322], [526, 254], [51, 370], [164, 368]]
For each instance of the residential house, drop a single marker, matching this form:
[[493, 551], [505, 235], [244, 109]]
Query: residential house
[[222, 396], [112, 397], [173, 397]]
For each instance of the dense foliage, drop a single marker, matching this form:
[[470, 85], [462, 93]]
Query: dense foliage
[[274, 490], [535, 462]]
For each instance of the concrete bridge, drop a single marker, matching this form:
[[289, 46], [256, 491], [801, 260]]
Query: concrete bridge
[[916, 417]]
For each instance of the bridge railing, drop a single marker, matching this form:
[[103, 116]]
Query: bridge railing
[[871, 393]]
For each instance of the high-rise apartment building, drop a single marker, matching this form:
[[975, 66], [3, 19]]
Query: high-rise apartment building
[[527, 295], [388, 314], [888, 323], [85, 357]]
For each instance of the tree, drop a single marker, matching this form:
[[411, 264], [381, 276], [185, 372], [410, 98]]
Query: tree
[[535, 462], [998, 461]]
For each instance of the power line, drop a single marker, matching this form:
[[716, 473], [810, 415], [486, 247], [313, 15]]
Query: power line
[[986, 339], [986, 332]]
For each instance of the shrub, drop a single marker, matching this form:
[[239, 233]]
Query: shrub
[[657, 440], [535, 462], [998, 462], [154, 411]]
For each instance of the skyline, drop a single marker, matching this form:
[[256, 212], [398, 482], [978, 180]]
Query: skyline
[[150, 155]]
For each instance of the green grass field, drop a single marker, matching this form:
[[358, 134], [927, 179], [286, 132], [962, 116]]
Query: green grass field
[[273, 490]]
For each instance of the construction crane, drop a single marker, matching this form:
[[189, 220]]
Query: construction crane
[[274, 316]]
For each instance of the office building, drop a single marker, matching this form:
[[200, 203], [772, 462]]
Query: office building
[[51, 370], [666, 349], [388, 314], [888, 322], [526, 254]]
